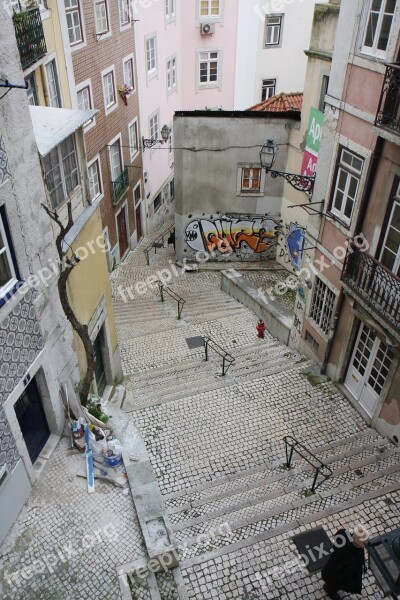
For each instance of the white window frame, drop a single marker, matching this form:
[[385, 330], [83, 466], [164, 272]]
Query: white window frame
[[70, 11], [125, 24], [276, 27], [169, 10], [100, 35], [328, 299], [373, 50], [132, 152], [264, 86], [62, 173], [117, 138], [343, 167], [124, 62], [96, 159], [7, 287], [209, 15], [53, 60], [153, 70], [209, 51], [239, 178], [156, 135], [136, 203], [171, 74], [109, 107], [81, 86]]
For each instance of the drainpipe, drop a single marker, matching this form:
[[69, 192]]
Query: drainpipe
[[373, 165]]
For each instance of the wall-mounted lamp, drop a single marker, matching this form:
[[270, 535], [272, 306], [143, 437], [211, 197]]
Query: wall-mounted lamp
[[165, 131], [268, 154]]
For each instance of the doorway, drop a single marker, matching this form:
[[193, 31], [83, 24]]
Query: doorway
[[122, 233], [100, 375], [369, 366], [137, 196], [32, 420]]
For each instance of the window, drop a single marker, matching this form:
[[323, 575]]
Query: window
[[208, 67], [61, 171], [53, 88], [101, 16], [95, 184], [171, 74], [84, 99], [151, 54], [209, 8], [324, 89], [273, 30], [169, 9], [312, 342], [74, 24], [154, 127], [129, 78], [8, 274], [251, 179], [137, 194], [346, 186], [157, 202], [268, 89], [322, 305], [109, 90], [115, 160], [378, 26], [31, 89], [390, 253], [133, 139], [124, 16]]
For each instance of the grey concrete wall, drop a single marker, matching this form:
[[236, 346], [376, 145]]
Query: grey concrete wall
[[210, 151], [277, 319]]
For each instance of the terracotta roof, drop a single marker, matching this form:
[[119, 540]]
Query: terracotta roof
[[280, 103]]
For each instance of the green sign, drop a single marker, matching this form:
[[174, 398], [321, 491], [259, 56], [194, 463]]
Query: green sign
[[314, 130]]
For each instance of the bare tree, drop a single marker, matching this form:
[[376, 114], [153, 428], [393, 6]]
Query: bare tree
[[66, 267]]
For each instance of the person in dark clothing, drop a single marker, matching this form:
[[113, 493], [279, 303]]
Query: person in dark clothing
[[344, 569]]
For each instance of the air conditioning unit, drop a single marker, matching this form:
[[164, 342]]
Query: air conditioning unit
[[207, 28]]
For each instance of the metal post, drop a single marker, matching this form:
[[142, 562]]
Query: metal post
[[180, 306], [147, 257], [289, 460], [315, 479], [161, 288], [223, 366], [206, 348]]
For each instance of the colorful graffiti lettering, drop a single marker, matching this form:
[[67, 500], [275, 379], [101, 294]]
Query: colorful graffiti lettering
[[295, 243], [228, 234]]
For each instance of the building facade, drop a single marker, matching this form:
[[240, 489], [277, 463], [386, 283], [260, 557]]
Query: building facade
[[350, 320]]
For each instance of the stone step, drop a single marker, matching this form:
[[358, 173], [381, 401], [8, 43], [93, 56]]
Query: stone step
[[280, 487], [297, 510]]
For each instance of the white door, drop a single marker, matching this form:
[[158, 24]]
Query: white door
[[368, 369]]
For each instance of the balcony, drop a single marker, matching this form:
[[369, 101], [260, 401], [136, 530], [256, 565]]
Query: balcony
[[30, 37], [373, 284], [120, 185], [388, 115]]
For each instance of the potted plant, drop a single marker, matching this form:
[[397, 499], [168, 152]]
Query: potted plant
[[124, 91]]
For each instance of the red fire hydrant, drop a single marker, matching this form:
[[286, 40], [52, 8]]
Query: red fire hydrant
[[261, 327]]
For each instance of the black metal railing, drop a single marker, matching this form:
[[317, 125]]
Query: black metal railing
[[120, 185], [376, 285], [388, 114], [30, 36], [158, 242], [227, 359], [167, 290], [321, 469]]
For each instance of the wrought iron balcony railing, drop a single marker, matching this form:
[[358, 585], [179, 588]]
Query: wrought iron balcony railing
[[373, 283], [388, 114], [120, 185], [30, 37]]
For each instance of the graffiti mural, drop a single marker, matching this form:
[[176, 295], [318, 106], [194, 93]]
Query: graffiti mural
[[295, 244], [226, 234]]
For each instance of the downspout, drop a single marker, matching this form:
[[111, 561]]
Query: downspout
[[373, 165]]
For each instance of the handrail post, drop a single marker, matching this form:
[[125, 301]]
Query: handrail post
[[315, 479], [206, 348], [223, 366], [147, 257], [161, 288], [289, 459], [180, 306]]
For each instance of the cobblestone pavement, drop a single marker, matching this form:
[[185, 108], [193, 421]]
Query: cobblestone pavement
[[79, 539], [215, 443]]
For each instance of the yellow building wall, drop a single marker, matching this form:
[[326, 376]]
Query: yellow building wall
[[89, 281]]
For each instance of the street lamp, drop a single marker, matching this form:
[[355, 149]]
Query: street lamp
[[384, 561], [268, 154], [165, 131]]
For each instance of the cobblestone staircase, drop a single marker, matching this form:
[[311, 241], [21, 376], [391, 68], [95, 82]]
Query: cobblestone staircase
[[215, 443]]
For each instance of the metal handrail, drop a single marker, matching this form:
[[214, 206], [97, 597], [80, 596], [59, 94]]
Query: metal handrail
[[320, 467], [164, 288], [153, 243], [227, 359]]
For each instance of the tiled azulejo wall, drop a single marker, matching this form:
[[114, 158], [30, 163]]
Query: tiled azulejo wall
[[20, 343]]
